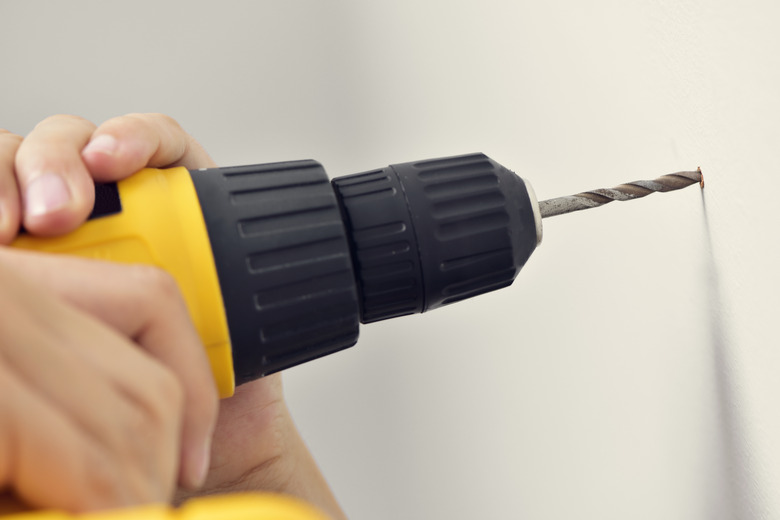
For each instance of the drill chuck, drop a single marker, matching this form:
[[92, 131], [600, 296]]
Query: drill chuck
[[301, 261]]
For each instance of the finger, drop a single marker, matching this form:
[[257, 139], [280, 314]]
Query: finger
[[51, 463], [142, 303], [52, 363], [57, 190], [10, 204], [123, 145]]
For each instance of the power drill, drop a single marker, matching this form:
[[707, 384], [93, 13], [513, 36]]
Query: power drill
[[279, 265]]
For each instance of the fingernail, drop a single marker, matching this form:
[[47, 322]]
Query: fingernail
[[201, 466], [46, 193], [105, 144]]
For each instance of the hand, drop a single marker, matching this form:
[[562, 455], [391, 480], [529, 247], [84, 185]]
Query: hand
[[47, 179], [89, 420], [140, 302], [256, 445]]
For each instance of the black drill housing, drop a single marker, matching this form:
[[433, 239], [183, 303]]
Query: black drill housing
[[301, 260]]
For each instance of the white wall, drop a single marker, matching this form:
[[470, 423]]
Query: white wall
[[632, 370]]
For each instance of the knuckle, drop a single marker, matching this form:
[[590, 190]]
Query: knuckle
[[166, 139], [160, 119], [135, 116], [145, 432], [162, 399], [157, 283], [135, 123], [152, 119], [63, 119], [128, 123], [159, 124], [142, 437], [148, 435], [168, 389]]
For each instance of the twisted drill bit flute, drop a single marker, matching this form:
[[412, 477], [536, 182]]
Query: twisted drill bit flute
[[628, 191]]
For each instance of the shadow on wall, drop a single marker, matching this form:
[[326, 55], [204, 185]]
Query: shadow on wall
[[736, 453]]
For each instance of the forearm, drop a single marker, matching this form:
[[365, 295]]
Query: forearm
[[260, 449], [294, 472], [305, 479]]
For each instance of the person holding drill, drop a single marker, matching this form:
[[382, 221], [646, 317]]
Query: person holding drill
[[107, 398]]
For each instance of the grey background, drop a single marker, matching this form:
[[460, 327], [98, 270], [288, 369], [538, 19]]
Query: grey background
[[630, 372]]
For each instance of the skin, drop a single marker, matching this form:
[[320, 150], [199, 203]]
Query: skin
[[246, 442], [80, 431]]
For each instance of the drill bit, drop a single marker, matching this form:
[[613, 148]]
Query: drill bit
[[627, 191]]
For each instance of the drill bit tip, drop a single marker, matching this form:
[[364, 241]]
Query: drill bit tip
[[622, 192]]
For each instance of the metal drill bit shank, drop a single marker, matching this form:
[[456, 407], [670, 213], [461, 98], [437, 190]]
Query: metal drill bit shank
[[628, 191]]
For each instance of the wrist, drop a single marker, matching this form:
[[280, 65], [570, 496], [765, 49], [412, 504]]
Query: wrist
[[258, 448], [293, 471]]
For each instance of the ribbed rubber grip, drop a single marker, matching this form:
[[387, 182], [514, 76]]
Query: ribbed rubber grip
[[283, 262], [430, 233], [383, 243]]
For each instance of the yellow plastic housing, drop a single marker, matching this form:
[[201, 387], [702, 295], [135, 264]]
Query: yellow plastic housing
[[161, 223], [264, 506]]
